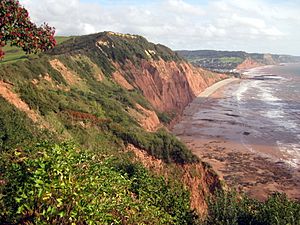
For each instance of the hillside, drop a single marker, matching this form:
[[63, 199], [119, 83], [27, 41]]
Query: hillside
[[83, 140], [100, 102], [226, 61]]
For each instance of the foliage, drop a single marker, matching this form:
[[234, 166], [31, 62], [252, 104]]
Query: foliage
[[14, 53], [119, 49], [165, 118], [40, 100], [229, 208], [61, 184], [160, 144], [16, 28], [171, 197], [15, 128], [278, 209]]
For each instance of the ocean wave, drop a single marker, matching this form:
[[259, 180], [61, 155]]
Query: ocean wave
[[291, 153], [243, 88], [267, 96]]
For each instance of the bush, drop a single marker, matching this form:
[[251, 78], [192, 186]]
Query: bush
[[165, 118], [61, 184], [168, 196], [160, 144], [15, 127], [230, 208]]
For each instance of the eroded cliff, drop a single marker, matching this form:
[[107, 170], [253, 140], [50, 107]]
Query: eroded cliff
[[168, 85], [199, 178], [109, 90]]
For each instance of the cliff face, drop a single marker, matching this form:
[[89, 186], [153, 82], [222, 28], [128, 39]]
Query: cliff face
[[248, 64], [168, 85], [104, 85], [200, 180]]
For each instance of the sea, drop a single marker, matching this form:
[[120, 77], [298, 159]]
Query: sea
[[268, 102], [261, 112]]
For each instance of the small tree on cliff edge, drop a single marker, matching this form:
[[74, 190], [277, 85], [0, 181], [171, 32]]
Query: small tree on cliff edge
[[17, 29]]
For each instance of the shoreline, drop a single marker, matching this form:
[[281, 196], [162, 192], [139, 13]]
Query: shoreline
[[248, 171], [207, 93], [215, 87]]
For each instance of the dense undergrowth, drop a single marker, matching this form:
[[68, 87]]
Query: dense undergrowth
[[231, 208], [62, 184], [88, 178]]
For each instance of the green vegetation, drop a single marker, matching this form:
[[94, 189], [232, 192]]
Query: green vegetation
[[229, 208], [13, 53], [117, 48], [61, 39], [165, 118], [15, 127], [160, 144], [61, 184], [231, 60]]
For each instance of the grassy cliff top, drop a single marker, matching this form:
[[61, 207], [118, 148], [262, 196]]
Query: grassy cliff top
[[13, 53], [116, 46]]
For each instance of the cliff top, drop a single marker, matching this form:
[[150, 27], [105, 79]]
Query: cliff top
[[116, 46]]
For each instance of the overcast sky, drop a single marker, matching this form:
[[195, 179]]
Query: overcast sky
[[266, 26]]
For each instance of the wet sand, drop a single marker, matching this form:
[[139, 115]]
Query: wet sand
[[257, 174]]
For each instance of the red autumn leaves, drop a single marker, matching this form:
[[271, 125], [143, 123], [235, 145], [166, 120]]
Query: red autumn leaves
[[17, 29]]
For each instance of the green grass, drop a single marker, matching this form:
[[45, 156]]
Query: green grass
[[61, 39], [13, 53], [231, 60]]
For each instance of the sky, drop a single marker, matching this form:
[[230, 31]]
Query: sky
[[263, 26]]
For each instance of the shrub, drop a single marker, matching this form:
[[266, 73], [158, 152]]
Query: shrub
[[60, 184], [160, 144], [231, 208], [15, 127], [168, 196]]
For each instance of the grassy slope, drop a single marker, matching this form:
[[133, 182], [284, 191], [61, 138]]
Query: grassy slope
[[13, 54]]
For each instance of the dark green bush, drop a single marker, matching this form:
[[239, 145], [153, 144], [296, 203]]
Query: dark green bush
[[166, 118], [169, 197], [278, 209], [229, 208], [161, 144]]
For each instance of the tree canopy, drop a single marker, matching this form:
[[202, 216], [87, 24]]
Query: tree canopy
[[17, 29]]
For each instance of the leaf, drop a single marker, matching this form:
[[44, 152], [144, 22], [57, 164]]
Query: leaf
[[62, 214]]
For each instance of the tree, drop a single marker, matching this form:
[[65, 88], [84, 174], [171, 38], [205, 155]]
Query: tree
[[16, 29]]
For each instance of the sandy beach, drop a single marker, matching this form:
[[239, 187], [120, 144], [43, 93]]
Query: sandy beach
[[255, 174]]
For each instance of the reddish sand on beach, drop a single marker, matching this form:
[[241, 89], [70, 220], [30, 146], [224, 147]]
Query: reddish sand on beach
[[255, 174]]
